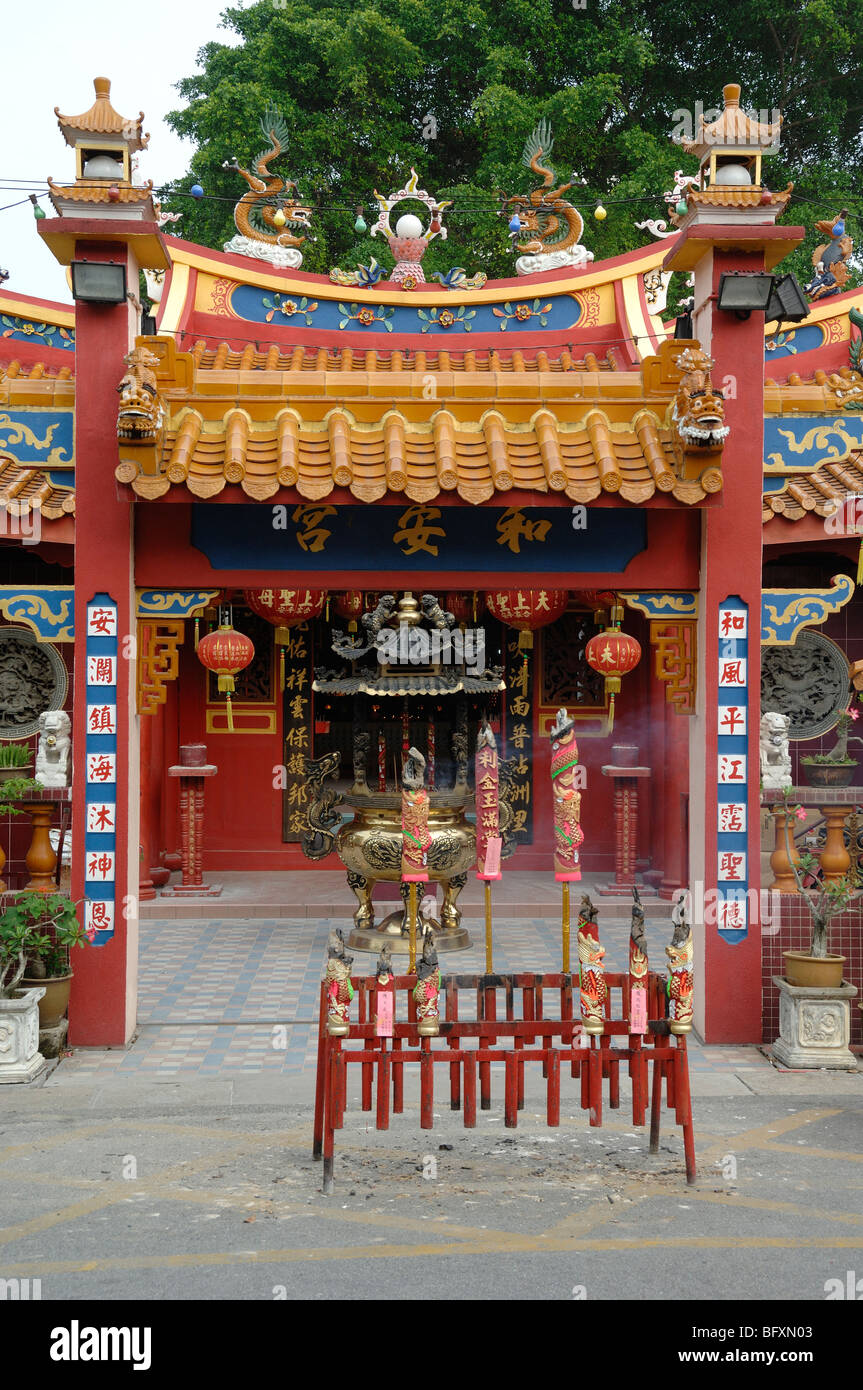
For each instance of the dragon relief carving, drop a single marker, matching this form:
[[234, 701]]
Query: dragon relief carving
[[141, 412], [698, 414], [554, 227], [259, 234], [323, 820]]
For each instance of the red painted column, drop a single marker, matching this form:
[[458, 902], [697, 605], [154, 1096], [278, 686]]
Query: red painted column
[[676, 727], [104, 991], [728, 972]]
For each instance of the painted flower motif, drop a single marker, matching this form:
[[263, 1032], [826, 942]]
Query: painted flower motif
[[409, 282], [289, 307], [522, 313], [445, 318], [366, 316], [23, 328]]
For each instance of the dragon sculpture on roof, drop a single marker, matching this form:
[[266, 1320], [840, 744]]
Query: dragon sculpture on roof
[[553, 225], [260, 232]]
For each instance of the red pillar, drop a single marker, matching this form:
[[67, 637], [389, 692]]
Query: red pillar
[[104, 991], [728, 970]]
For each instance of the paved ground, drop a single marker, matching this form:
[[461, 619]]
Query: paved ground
[[211, 993], [181, 1168]]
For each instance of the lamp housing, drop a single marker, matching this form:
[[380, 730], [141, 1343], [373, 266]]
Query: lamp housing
[[98, 282], [787, 302], [742, 292]]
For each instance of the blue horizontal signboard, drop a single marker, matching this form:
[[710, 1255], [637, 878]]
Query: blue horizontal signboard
[[315, 536]]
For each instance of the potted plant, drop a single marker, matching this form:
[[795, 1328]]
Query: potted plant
[[15, 758], [814, 1000], [836, 767], [825, 900], [48, 957], [22, 933]]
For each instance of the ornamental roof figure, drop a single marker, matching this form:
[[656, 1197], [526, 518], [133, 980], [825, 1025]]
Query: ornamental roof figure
[[734, 128], [102, 119]]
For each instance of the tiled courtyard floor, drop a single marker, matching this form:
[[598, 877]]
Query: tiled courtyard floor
[[212, 992]]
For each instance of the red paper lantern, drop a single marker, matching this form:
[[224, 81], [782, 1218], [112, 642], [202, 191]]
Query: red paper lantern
[[613, 654], [350, 605], [225, 652], [527, 609], [286, 607], [461, 606]]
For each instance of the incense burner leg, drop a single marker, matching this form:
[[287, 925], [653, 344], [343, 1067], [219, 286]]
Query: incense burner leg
[[405, 893], [450, 915], [364, 916]]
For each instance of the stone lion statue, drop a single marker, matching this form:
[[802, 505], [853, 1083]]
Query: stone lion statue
[[775, 757], [52, 755]]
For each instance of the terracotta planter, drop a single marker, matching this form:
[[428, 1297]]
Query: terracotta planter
[[828, 774], [159, 876], [7, 773], [172, 860], [804, 971], [55, 1000]]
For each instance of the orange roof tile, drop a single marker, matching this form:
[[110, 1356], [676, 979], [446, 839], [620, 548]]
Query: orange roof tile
[[26, 489], [93, 191], [492, 455], [102, 119], [732, 128]]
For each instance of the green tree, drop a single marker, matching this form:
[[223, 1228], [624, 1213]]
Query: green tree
[[370, 88]]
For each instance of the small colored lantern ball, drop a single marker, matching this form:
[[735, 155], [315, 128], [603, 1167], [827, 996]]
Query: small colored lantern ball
[[279, 218], [113, 194], [515, 223], [360, 225], [682, 207], [196, 190], [599, 213]]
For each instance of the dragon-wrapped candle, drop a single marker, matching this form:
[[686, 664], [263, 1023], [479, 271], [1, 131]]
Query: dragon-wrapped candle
[[339, 989], [427, 989], [638, 967], [487, 795], [590, 954], [568, 834], [680, 971], [416, 837]]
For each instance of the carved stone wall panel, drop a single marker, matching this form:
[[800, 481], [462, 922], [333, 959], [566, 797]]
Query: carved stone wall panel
[[32, 679], [807, 681]]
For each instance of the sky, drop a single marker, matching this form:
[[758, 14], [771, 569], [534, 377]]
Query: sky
[[52, 52]]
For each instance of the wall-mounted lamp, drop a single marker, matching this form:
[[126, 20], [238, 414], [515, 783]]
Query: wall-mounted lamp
[[743, 293], [98, 282]]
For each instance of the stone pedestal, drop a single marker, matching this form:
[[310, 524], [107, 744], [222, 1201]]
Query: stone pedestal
[[52, 1041], [814, 1026], [20, 1059]]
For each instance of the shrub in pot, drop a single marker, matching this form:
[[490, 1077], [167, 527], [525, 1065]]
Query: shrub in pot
[[836, 767], [14, 759], [49, 955], [825, 900], [37, 930]]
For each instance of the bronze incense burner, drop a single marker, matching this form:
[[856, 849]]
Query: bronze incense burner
[[369, 843]]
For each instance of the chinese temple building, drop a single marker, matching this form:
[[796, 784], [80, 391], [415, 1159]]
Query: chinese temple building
[[538, 459]]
